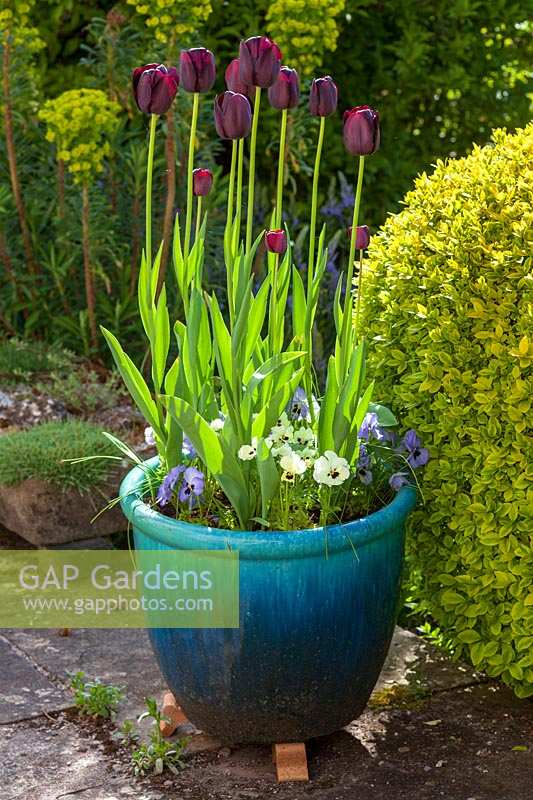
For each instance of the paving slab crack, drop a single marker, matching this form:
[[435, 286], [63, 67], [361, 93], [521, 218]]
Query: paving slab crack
[[20, 651]]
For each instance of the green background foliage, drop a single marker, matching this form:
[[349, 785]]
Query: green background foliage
[[448, 310], [441, 73]]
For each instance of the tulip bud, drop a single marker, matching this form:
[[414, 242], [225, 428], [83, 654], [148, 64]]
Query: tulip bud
[[202, 181], [234, 82], [361, 131], [197, 69], [259, 61], [155, 87], [276, 241], [362, 236], [323, 97], [233, 115], [285, 93]]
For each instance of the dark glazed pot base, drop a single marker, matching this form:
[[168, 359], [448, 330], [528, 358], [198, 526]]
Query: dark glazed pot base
[[255, 727]]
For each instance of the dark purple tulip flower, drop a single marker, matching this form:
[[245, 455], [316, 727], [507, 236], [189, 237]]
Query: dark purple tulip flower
[[361, 131], [233, 115], [202, 181], [323, 97], [259, 61], [362, 236], [197, 69], [276, 241], [285, 93], [155, 87], [234, 82]]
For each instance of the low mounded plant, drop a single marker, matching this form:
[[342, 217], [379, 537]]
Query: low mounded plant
[[94, 698], [246, 436], [448, 307], [46, 451]]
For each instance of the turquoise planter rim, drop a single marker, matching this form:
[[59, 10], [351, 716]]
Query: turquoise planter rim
[[258, 545]]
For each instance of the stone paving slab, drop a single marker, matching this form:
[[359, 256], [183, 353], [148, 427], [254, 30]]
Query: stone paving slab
[[26, 691], [125, 657], [122, 657], [48, 761]]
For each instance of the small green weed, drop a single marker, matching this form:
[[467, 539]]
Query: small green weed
[[94, 698], [126, 735], [158, 754]]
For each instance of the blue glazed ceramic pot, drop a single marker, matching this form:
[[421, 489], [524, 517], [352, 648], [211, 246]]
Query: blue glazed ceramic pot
[[317, 613]]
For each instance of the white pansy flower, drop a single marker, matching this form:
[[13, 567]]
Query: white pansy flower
[[282, 425], [283, 422], [248, 451], [304, 437], [149, 437], [292, 463], [281, 450], [309, 456], [281, 434], [331, 469], [217, 424]]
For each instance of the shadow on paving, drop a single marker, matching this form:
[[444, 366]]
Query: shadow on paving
[[435, 729]]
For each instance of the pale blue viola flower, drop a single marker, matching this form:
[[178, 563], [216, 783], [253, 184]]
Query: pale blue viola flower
[[369, 428], [364, 473], [417, 456], [398, 479], [192, 486], [298, 407], [166, 490], [188, 448]]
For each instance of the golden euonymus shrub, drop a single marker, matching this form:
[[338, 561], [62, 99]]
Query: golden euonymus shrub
[[448, 315]]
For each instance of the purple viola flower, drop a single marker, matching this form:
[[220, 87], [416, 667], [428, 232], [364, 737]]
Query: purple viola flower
[[166, 490], [389, 435], [188, 448], [370, 428], [364, 473], [398, 479], [192, 486], [417, 456], [298, 407]]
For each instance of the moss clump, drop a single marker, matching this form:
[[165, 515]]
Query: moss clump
[[399, 696], [448, 312], [39, 453]]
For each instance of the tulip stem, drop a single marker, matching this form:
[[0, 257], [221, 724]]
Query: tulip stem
[[190, 167], [281, 167], [229, 231], [273, 321], [251, 177], [238, 210], [149, 175], [347, 322], [229, 217], [314, 202], [359, 292], [198, 218]]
